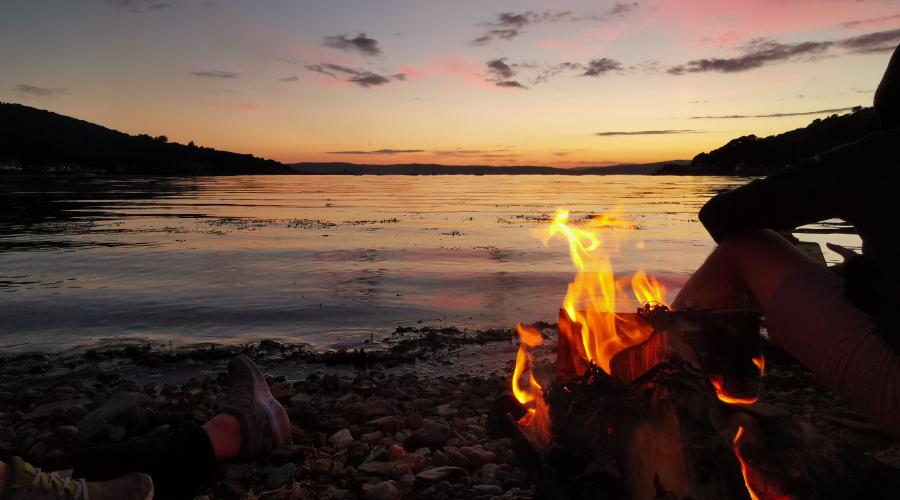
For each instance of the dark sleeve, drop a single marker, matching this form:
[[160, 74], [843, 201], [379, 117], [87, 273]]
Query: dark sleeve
[[829, 185], [780, 202]]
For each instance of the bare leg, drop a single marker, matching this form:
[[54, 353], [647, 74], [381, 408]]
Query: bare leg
[[224, 432], [742, 273], [4, 477], [807, 314]]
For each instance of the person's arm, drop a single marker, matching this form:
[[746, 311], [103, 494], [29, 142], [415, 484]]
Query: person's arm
[[833, 184], [781, 202]]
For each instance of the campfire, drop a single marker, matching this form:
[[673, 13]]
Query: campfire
[[631, 409]]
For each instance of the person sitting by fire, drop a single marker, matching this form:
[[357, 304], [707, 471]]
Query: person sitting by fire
[[842, 323]]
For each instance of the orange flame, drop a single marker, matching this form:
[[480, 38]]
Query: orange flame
[[719, 385], [591, 298], [765, 492], [537, 417], [760, 363], [744, 467]]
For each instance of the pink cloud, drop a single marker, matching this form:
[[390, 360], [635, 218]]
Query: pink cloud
[[607, 34], [457, 66], [758, 18], [567, 46]]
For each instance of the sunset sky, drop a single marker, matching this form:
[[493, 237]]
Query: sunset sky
[[457, 82]]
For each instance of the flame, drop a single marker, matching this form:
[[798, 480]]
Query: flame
[[590, 301], [647, 290], [744, 467], [719, 385], [537, 417], [760, 363], [756, 492]]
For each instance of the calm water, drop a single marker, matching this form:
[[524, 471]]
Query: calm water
[[328, 260]]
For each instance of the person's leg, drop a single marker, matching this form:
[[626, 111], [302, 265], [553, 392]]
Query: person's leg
[[180, 463], [4, 477], [807, 314], [742, 273], [251, 424]]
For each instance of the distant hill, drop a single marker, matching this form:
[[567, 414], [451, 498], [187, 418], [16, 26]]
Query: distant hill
[[435, 169], [38, 141], [633, 169], [35, 141], [752, 155]]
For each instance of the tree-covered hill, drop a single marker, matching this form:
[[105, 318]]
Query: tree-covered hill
[[752, 155], [37, 141]]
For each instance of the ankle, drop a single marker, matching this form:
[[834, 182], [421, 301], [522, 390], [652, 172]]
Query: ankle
[[224, 432], [5, 477]]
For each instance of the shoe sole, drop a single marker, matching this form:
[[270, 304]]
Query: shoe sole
[[264, 398]]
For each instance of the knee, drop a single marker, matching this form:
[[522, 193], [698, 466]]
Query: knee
[[750, 243]]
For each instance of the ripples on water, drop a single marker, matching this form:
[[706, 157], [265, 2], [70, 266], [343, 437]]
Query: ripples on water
[[321, 259]]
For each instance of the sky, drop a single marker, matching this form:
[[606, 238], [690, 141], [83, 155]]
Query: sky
[[562, 83]]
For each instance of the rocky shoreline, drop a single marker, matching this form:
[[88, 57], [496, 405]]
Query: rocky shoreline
[[371, 434], [373, 424]]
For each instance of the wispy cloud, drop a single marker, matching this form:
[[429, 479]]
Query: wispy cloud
[[360, 43], [879, 41], [139, 5], [602, 66], [756, 55], [552, 70], [360, 77], [502, 74], [647, 132], [223, 75], [775, 115], [376, 152], [34, 91], [292, 78], [866, 22], [509, 25], [763, 52], [477, 153]]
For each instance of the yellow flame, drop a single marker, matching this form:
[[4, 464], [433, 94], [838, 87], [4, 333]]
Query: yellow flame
[[537, 417], [591, 298], [647, 290]]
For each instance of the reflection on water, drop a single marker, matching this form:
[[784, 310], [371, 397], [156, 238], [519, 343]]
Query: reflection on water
[[321, 259]]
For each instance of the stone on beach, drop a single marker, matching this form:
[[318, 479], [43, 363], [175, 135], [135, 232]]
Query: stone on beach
[[341, 439]]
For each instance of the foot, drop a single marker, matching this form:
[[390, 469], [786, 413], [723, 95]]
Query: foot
[[29, 482], [265, 425]]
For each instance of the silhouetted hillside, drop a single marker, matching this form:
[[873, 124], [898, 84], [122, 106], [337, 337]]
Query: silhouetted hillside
[[38, 141], [752, 155]]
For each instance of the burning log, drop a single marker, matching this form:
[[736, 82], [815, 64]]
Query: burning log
[[651, 429]]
